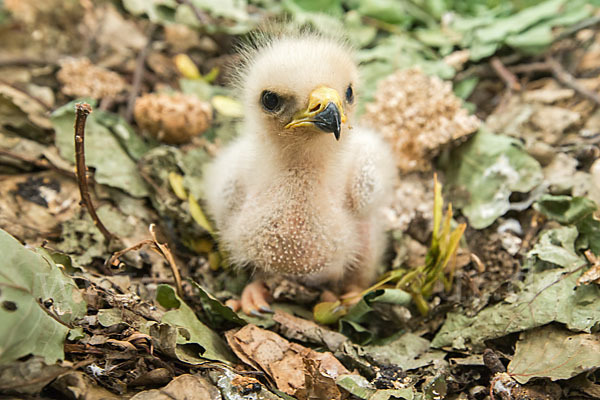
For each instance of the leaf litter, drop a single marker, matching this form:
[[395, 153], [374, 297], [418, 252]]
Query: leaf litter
[[523, 284]]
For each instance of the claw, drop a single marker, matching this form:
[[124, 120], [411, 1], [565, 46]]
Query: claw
[[255, 299], [266, 309], [255, 313]]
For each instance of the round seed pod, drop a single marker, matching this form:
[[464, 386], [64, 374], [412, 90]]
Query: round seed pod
[[418, 115], [81, 78], [172, 118]]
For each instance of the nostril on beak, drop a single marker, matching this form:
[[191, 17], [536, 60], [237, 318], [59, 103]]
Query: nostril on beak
[[315, 108]]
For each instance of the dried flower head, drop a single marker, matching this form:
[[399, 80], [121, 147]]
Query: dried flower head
[[81, 78], [172, 118], [418, 115]]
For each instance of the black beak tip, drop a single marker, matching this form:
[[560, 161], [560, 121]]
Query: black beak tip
[[336, 132], [330, 120]]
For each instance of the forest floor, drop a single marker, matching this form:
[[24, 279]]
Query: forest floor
[[499, 100]]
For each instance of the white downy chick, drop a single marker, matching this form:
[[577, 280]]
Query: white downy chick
[[300, 193]]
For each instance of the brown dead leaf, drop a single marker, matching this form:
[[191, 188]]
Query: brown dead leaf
[[33, 205], [28, 377], [592, 275], [182, 388], [301, 329], [77, 385], [296, 370], [123, 345]]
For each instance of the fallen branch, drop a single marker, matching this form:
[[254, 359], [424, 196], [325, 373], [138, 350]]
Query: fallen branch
[[564, 77], [201, 17], [160, 248], [83, 110], [138, 75], [508, 77]]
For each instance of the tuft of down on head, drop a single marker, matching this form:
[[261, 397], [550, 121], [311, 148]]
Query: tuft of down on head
[[280, 73]]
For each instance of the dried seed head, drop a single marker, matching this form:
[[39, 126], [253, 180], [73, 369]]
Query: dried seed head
[[418, 115], [172, 118], [81, 78]]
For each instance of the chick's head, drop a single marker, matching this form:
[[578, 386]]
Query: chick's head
[[299, 87]]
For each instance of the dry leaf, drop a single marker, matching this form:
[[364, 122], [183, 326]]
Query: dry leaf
[[295, 369]]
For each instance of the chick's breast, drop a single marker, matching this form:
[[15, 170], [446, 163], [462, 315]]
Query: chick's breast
[[291, 227]]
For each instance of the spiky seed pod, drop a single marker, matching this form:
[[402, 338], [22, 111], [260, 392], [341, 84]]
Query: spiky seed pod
[[418, 115], [172, 118]]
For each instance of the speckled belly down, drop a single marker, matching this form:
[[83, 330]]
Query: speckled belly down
[[296, 237]]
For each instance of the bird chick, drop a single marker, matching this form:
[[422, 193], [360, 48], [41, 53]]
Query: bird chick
[[300, 192]]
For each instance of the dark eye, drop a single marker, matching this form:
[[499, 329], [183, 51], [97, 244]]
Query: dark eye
[[270, 101], [349, 94]]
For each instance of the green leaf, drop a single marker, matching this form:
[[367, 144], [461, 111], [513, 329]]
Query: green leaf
[[103, 151], [216, 312], [408, 351], [464, 88], [557, 246], [390, 11], [360, 312], [331, 7], [589, 235], [565, 209], [187, 337], [27, 328], [533, 40], [361, 388], [547, 296], [328, 312], [555, 353], [110, 316], [482, 174], [166, 297], [574, 210], [501, 28]]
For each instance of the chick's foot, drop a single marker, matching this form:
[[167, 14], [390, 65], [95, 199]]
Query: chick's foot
[[254, 301]]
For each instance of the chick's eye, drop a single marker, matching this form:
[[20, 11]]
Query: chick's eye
[[349, 94], [270, 101]]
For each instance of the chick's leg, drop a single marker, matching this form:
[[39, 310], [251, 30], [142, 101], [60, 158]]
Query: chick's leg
[[255, 299], [363, 274]]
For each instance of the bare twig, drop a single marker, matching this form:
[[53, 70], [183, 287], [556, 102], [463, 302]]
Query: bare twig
[[24, 62], [166, 252], [200, 16], [162, 249], [564, 77], [508, 77], [138, 74], [83, 110], [118, 254], [528, 68]]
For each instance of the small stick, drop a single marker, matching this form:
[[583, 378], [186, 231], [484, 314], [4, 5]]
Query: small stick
[[162, 249], [202, 18], [138, 75], [531, 67], [166, 252], [564, 77], [83, 110], [508, 77]]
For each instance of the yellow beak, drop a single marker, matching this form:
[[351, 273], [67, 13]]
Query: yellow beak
[[324, 110]]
